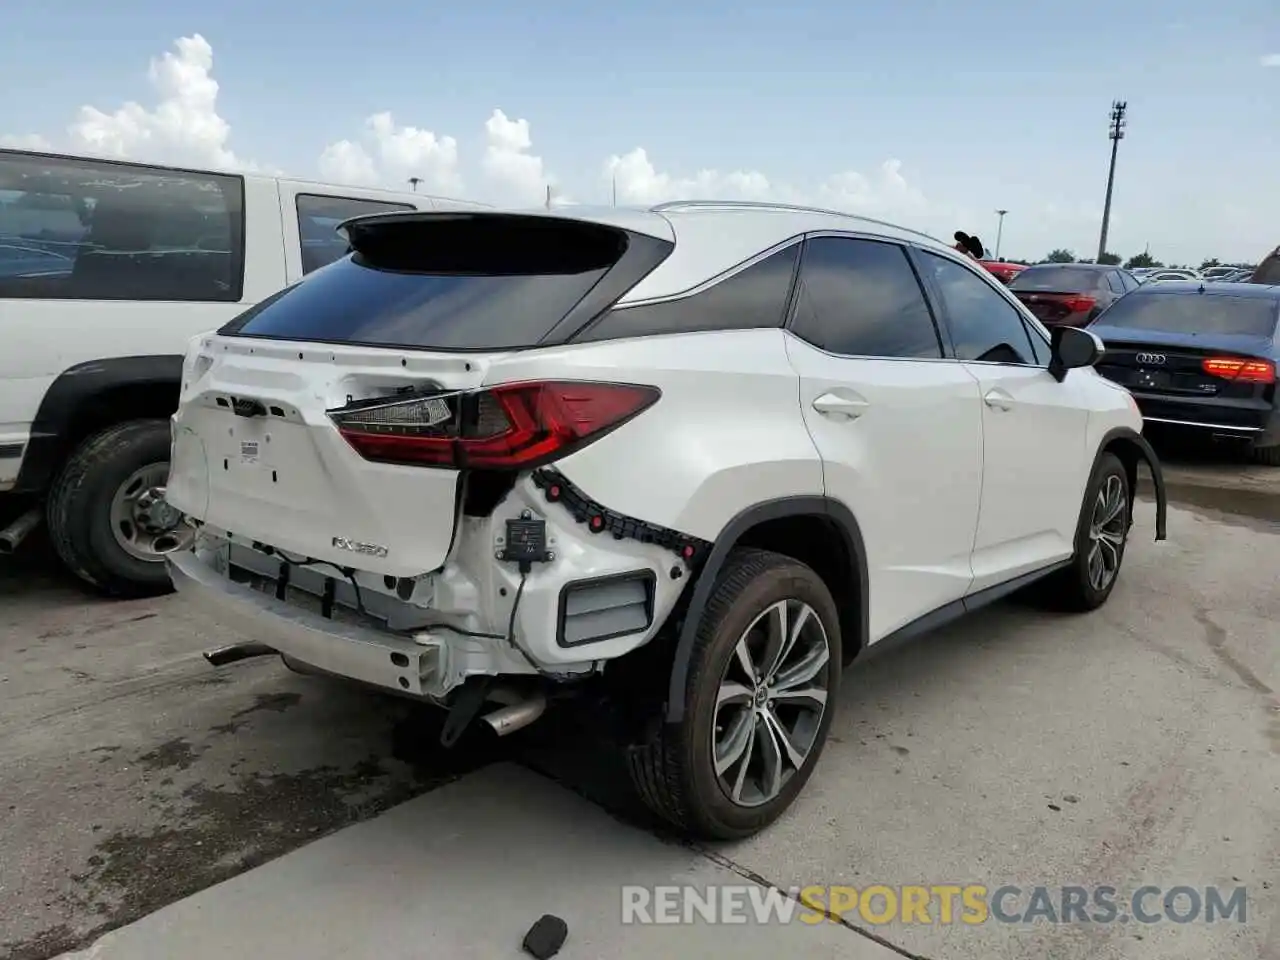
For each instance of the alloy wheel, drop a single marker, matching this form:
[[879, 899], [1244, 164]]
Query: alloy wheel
[[770, 702]]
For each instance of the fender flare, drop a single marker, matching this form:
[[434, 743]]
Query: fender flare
[[1142, 450], [811, 506], [51, 440]]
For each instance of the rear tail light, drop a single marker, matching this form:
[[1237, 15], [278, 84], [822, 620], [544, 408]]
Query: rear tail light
[[1078, 304], [1240, 370], [515, 426]]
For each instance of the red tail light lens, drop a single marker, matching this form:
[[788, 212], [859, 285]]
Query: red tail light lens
[[1240, 370], [1078, 304], [516, 426]]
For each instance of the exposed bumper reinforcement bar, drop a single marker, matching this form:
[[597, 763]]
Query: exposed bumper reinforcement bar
[[346, 650]]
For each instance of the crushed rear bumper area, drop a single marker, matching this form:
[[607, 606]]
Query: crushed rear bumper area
[[360, 653]]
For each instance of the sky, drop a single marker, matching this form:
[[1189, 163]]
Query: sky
[[926, 113]]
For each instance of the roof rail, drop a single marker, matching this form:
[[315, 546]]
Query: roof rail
[[787, 207]]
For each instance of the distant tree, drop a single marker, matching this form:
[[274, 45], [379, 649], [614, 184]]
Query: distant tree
[[1110, 259], [1143, 259], [1211, 262], [1060, 256]]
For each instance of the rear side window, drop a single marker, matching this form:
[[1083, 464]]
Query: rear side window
[[318, 221], [1194, 313], [1057, 279], [88, 230], [445, 281], [861, 298], [752, 298]]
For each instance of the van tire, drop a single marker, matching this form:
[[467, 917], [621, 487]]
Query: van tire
[[78, 511]]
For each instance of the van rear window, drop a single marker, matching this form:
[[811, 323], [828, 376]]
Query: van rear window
[[454, 281]]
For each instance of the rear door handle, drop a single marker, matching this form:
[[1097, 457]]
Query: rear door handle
[[998, 399], [834, 403]]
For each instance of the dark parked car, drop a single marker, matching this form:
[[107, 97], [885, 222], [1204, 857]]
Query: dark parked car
[[1071, 294], [1200, 358]]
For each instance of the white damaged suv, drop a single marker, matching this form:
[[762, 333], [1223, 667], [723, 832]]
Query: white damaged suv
[[700, 454]]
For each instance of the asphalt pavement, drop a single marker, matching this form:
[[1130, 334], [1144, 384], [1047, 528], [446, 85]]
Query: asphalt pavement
[[145, 793]]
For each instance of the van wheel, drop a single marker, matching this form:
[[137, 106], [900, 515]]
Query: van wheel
[[761, 693], [106, 510], [1100, 541]]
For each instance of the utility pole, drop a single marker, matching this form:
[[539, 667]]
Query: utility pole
[[1116, 134], [999, 230], [548, 196], [413, 182]]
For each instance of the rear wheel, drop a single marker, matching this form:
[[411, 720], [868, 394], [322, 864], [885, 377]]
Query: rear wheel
[[1100, 541], [106, 511], [761, 693]]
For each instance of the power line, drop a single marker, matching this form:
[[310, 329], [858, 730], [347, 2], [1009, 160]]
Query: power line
[[1116, 133]]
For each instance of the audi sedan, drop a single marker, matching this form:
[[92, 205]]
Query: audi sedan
[[1200, 358]]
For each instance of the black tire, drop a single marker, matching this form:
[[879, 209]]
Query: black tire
[[1071, 588], [673, 769], [79, 509], [1267, 456]]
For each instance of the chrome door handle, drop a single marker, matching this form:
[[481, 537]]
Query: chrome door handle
[[841, 406], [998, 399]]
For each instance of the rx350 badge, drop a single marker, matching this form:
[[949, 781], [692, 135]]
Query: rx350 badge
[[356, 546]]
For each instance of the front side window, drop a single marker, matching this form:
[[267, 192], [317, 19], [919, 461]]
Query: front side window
[[318, 220], [984, 326], [87, 230], [861, 298]]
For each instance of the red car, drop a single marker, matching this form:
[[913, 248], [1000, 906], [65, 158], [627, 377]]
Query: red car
[[1003, 270]]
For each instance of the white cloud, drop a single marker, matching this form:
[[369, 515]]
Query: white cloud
[[885, 193], [1270, 60], [183, 127], [25, 141], [518, 177], [394, 155]]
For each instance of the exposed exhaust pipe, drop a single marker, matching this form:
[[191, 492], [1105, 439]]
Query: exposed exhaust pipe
[[236, 652], [517, 716], [13, 535]]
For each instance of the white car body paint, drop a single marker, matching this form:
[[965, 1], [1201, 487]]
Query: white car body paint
[[952, 495]]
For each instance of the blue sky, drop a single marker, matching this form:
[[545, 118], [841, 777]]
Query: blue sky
[[981, 105]]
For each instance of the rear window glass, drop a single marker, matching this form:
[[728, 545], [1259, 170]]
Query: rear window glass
[[1057, 279], [465, 283], [1194, 313]]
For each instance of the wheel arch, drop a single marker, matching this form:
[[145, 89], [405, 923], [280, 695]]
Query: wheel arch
[[825, 534], [1132, 448], [89, 397]]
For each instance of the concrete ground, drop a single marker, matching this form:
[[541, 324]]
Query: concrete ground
[[1136, 745]]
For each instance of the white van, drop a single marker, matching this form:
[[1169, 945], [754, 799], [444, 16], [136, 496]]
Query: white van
[[107, 270]]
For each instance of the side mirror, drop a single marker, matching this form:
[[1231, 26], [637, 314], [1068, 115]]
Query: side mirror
[[1073, 347]]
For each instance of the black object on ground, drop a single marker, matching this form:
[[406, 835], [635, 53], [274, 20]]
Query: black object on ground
[[546, 937]]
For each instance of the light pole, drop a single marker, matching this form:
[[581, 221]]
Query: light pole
[[999, 230], [1116, 134], [413, 182]]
